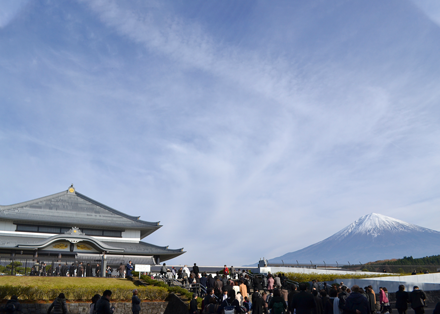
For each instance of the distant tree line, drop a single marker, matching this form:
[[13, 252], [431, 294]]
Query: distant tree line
[[428, 260]]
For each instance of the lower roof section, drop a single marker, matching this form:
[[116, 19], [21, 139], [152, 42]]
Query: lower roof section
[[143, 248], [80, 244]]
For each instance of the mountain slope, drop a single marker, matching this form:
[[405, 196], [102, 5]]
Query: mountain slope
[[370, 238]]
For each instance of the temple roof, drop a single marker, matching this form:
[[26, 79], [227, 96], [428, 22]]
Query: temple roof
[[126, 248], [70, 208]]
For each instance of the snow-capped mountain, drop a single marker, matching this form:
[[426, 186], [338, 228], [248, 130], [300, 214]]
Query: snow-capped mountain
[[370, 238]]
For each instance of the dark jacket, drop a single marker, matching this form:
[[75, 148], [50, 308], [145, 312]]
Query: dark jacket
[[88, 271], [402, 299], [437, 309], [59, 306], [211, 282], [203, 281], [318, 309], [257, 284], [257, 304], [196, 269], [228, 288], [327, 305], [291, 294], [356, 301], [229, 302], [417, 298], [342, 297], [303, 302], [103, 306], [277, 299], [371, 297], [135, 304], [218, 286], [16, 306], [193, 306]]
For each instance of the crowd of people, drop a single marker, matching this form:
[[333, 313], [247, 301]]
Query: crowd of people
[[99, 304], [80, 269], [240, 292]]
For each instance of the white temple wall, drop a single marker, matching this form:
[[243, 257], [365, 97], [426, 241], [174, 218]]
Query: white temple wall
[[6, 225], [131, 234]]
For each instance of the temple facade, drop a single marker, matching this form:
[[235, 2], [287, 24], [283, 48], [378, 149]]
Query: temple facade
[[71, 227]]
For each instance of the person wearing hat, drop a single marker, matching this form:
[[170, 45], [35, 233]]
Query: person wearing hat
[[59, 305], [193, 305], [135, 302]]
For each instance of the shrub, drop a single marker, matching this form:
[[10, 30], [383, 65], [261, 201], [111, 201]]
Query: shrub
[[80, 293], [301, 277]]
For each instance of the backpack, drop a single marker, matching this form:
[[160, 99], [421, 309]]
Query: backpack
[[10, 308], [228, 309], [278, 308]]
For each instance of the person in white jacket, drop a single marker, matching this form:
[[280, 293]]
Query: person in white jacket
[[186, 270], [333, 296]]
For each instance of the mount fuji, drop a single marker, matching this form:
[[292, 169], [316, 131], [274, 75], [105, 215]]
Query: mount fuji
[[370, 238]]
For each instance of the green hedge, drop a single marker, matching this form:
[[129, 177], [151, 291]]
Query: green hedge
[[300, 277], [75, 293], [158, 283]]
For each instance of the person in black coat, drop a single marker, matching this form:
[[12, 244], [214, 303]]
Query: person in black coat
[[277, 298], [318, 308], [356, 303], [210, 282], [417, 298], [72, 270], [58, 270], [88, 270], [371, 297], [204, 281], [64, 269], [98, 270], [257, 284], [402, 299], [342, 296], [257, 303], [193, 305], [437, 309], [103, 304], [327, 306], [303, 302], [196, 270], [135, 302], [209, 295]]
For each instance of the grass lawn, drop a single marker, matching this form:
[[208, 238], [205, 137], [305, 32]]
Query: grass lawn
[[75, 289]]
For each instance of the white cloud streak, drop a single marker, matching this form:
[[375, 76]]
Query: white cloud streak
[[218, 140]]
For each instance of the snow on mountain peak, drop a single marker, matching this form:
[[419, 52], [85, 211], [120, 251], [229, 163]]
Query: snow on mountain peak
[[375, 224]]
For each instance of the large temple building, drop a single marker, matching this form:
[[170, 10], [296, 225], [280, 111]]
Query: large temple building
[[71, 227]]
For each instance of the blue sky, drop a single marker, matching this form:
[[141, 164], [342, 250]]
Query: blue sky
[[248, 128]]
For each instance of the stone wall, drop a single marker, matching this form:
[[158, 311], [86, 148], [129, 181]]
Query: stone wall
[[84, 308], [172, 305]]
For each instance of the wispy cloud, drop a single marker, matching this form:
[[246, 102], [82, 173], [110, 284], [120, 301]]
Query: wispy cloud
[[153, 113]]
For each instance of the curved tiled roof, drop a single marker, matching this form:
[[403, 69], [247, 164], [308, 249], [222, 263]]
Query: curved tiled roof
[[70, 208], [71, 237]]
